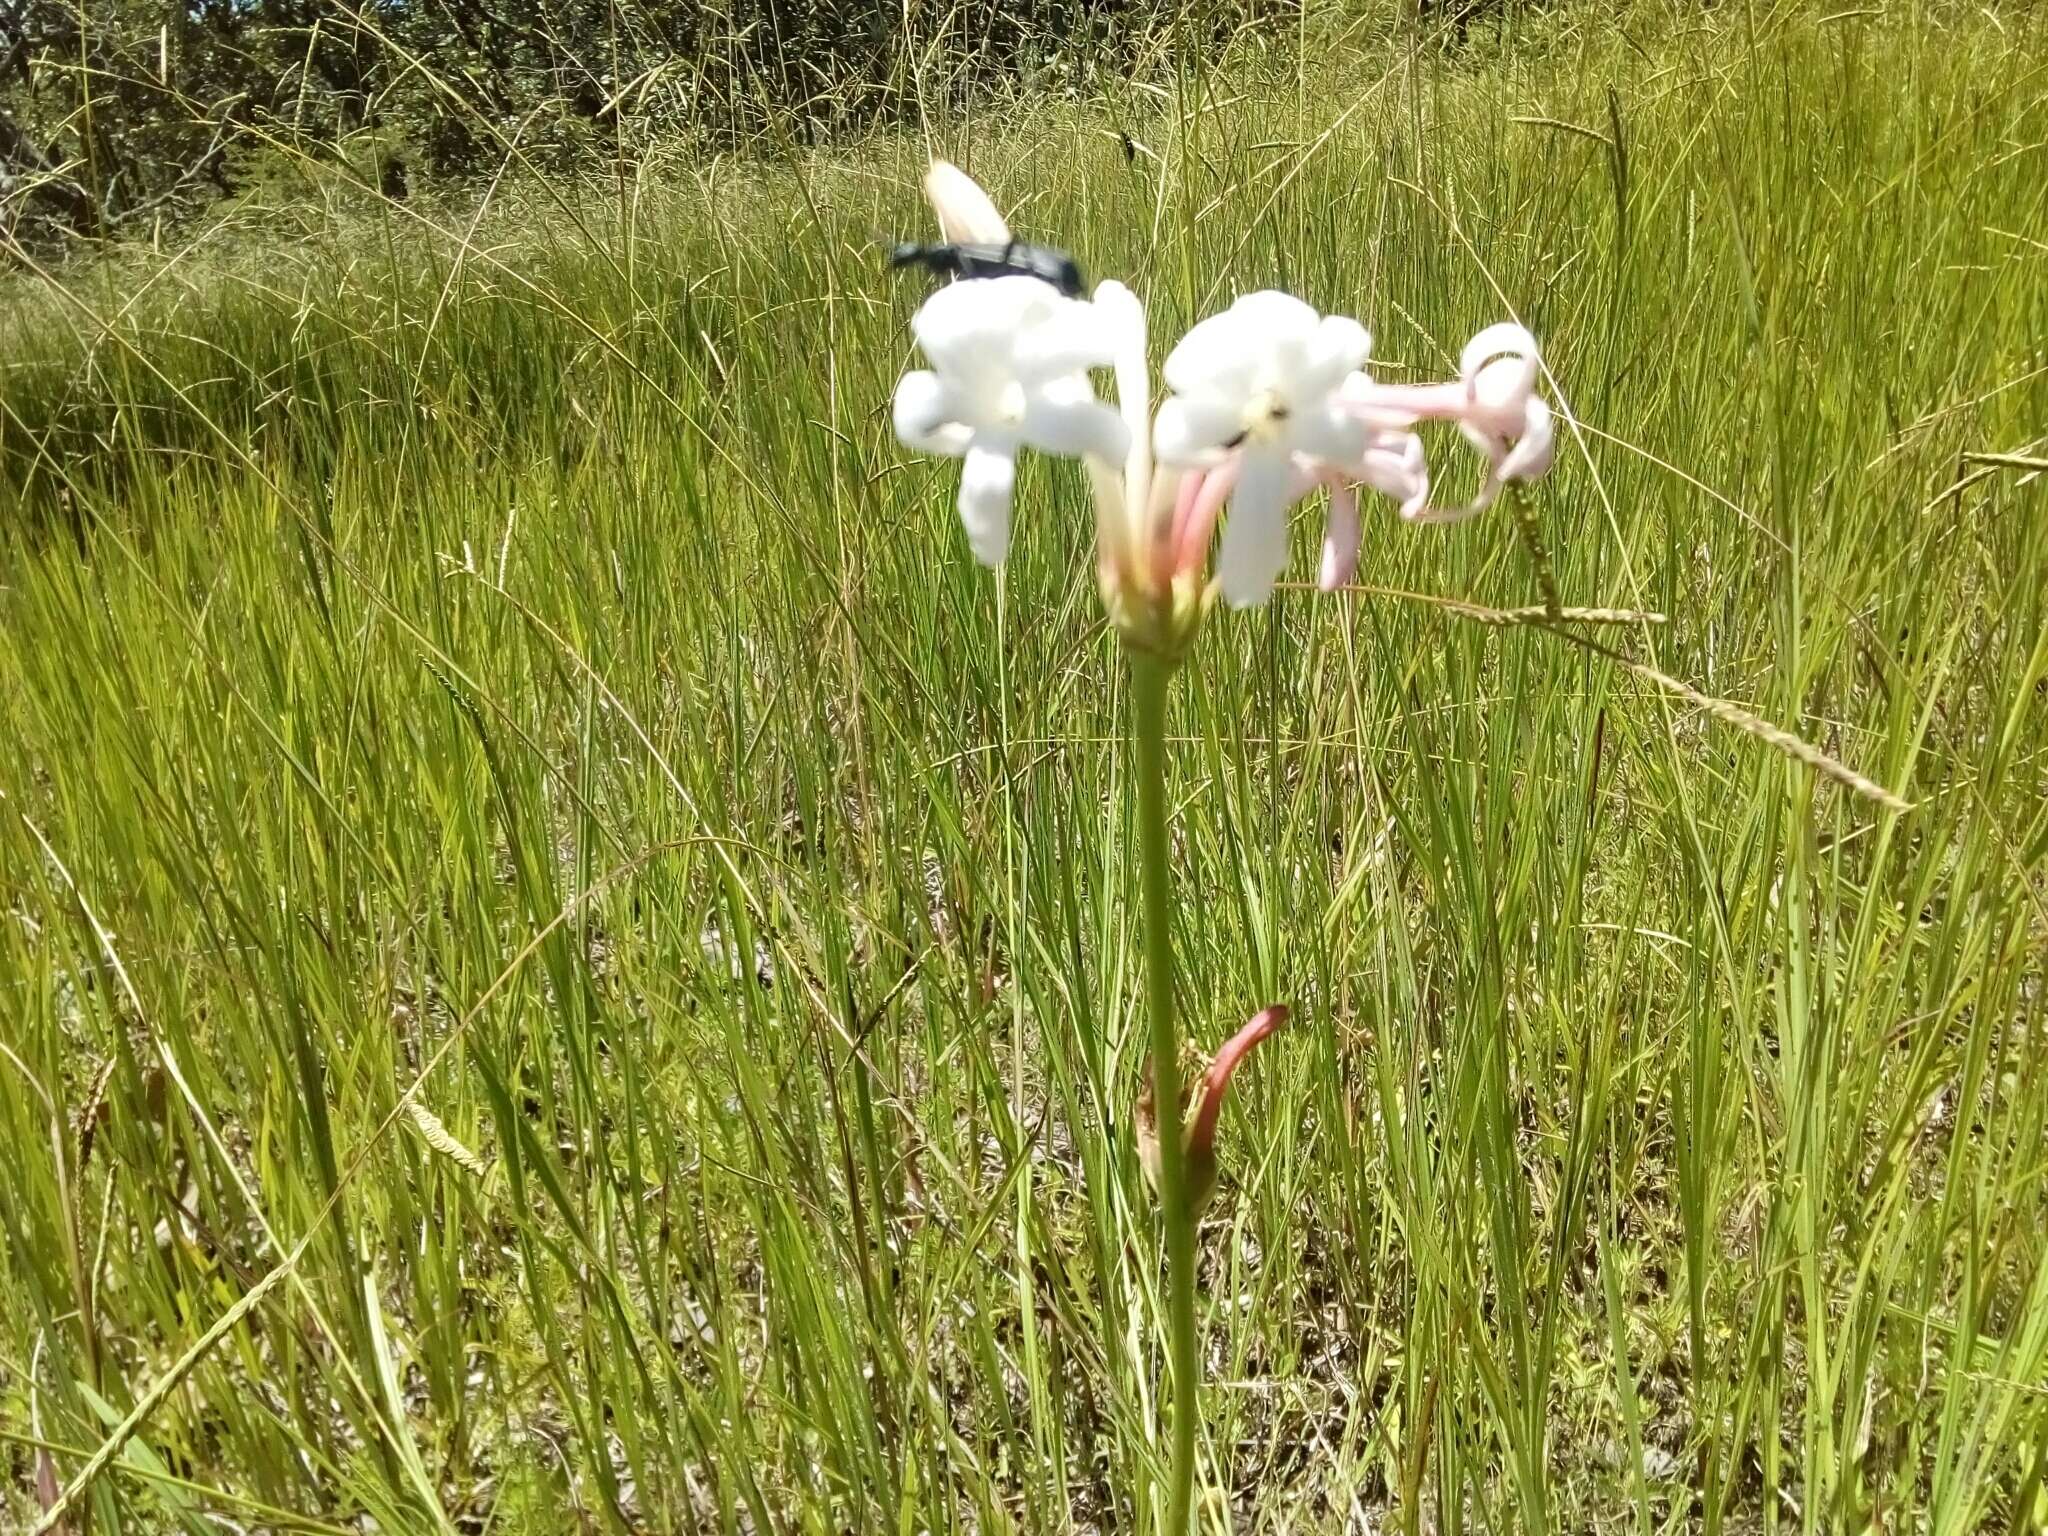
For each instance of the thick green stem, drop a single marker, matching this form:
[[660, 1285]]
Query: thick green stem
[[1149, 677]]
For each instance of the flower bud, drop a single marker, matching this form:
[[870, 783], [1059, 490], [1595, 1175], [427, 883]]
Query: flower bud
[[966, 215]]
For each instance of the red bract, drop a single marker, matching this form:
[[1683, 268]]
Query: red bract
[[1216, 1081], [1204, 1102]]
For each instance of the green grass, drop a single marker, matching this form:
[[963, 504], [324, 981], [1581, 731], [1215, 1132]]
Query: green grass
[[514, 655]]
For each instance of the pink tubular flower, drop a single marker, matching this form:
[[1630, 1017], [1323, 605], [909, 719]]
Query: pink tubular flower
[[1343, 536], [1205, 1098], [1495, 405], [1200, 502]]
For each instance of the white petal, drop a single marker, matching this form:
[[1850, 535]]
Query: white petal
[[1121, 312], [1498, 395], [1395, 466], [1530, 458], [1280, 316], [1192, 429], [1418, 501], [1498, 387], [1338, 348], [1065, 417], [1380, 409], [964, 210], [1254, 548], [1326, 434], [957, 309], [1223, 353], [926, 415], [1283, 336], [987, 480], [1403, 448], [1495, 448], [1496, 451], [1123, 318], [1070, 338], [1503, 340], [1212, 356], [973, 329]]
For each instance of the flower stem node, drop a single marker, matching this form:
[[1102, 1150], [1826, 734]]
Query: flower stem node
[[1159, 619]]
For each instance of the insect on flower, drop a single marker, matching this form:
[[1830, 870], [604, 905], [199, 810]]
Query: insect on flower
[[1009, 258]]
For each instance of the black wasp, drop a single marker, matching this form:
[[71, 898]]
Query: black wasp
[[1013, 258]]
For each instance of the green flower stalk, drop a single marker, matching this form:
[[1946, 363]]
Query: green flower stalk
[[1267, 401]]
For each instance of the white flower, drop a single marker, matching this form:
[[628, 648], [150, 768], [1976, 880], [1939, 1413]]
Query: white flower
[[1262, 378], [1009, 368]]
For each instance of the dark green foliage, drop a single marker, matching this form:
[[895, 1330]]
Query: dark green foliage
[[117, 114]]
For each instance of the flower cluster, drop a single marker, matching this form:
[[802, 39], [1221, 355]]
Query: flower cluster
[[1266, 402]]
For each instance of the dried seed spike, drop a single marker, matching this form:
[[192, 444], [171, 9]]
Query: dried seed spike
[[1539, 555], [1773, 736], [1507, 618], [1724, 710], [443, 1141], [1608, 616], [93, 1110]]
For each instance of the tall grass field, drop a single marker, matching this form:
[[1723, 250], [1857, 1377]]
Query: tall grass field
[[568, 958]]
